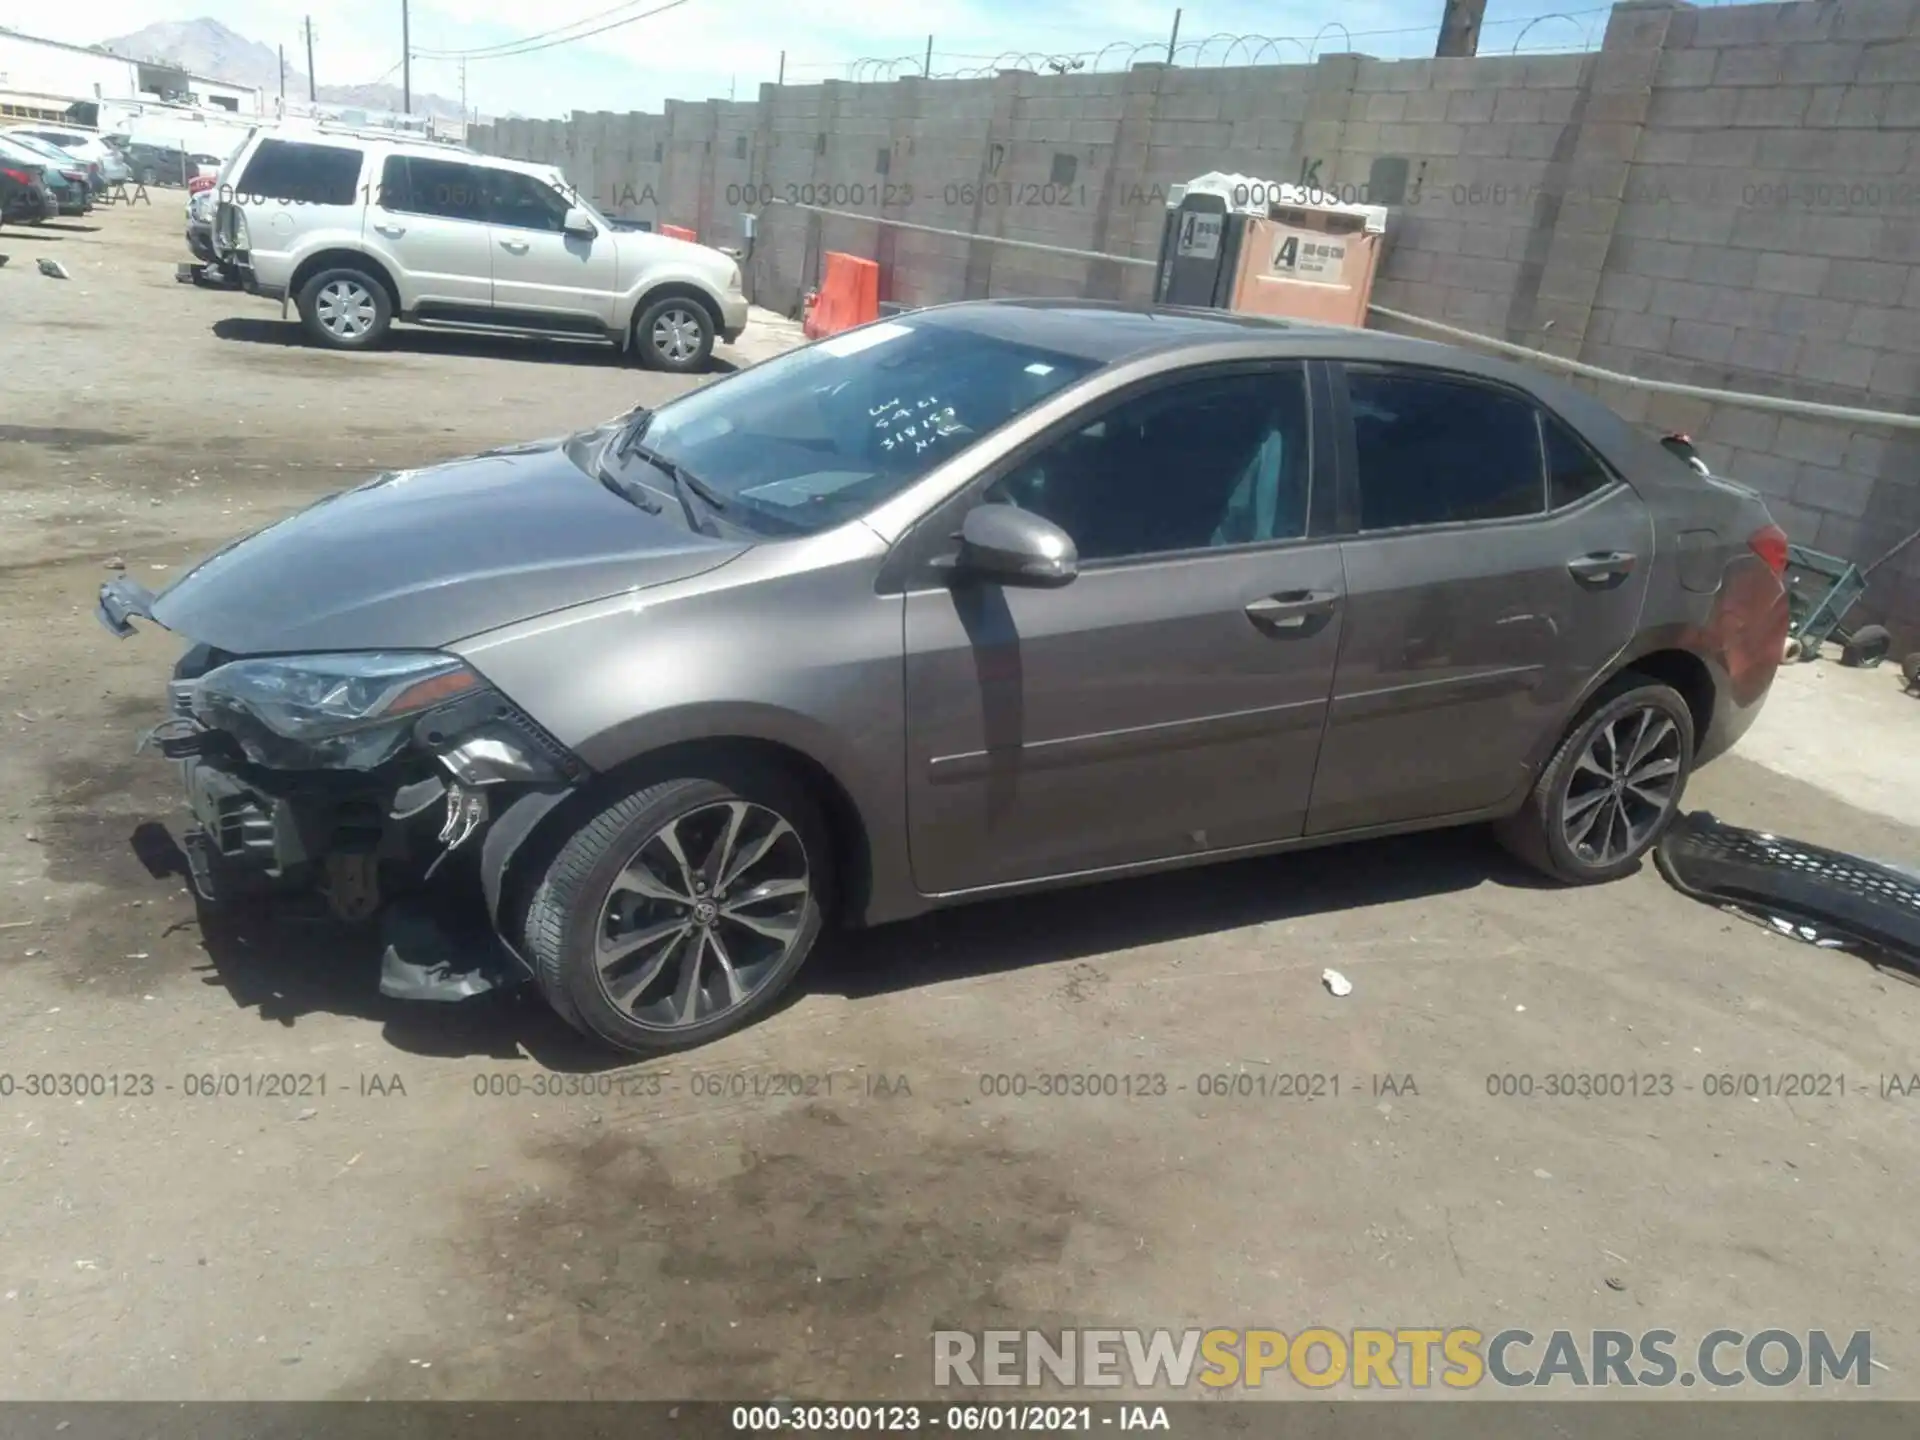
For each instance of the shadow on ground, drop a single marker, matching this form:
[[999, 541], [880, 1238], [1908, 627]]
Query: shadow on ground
[[288, 960], [482, 345]]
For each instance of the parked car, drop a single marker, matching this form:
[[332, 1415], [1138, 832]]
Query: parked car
[[358, 232], [200, 206], [24, 197], [73, 188], [88, 146], [983, 599]]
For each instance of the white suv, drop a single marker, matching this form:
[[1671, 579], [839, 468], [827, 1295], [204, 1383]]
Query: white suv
[[359, 232]]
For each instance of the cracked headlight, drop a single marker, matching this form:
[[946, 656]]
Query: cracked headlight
[[349, 711]]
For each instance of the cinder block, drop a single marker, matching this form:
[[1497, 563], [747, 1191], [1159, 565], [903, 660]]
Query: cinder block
[[1896, 377], [1385, 106], [1812, 317], [1875, 282], [1749, 65], [1910, 298], [1524, 106], [1828, 488], [1772, 105], [1697, 340], [1681, 299], [1847, 366], [1469, 106], [1619, 291], [1666, 147], [1660, 259], [1733, 148], [1539, 142], [1701, 224], [1847, 237], [1637, 331], [1694, 109], [1748, 429], [1425, 106], [1821, 64], [1899, 240], [1890, 64], [1487, 140], [1768, 351], [1675, 412], [1772, 475], [1732, 25], [1902, 106], [1817, 442], [1791, 274], [1768, 229], [1686, 67], [1875, 19]]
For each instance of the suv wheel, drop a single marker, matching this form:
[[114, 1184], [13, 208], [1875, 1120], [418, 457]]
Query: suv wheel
[[345, 309], [682, 911], [1612, 787], [674, 334]]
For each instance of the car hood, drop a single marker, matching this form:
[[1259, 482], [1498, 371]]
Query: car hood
[[421, 558]]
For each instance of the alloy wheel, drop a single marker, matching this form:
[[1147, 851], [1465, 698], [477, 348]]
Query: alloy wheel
[[703, 915], [1622, 788], [345, 309], [677, 333]]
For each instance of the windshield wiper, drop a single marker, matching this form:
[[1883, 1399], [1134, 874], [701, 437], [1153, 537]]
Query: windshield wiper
[[685, 485]]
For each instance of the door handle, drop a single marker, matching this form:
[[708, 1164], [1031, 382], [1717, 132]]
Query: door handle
[[514, 247], [1601, 565], [393, 232], [1291, 609]]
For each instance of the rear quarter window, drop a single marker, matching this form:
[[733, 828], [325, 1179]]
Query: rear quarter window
[[297, 172]]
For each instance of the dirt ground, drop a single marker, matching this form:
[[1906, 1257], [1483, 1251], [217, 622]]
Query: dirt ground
[[408, 1234]]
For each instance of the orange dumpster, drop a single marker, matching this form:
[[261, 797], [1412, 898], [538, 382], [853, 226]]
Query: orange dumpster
[[849, 296], [678, 232]]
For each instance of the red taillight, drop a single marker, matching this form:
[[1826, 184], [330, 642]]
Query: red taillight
[[19, 177], [1770, 544]]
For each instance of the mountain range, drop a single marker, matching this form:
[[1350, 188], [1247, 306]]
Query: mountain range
[[206, 47]]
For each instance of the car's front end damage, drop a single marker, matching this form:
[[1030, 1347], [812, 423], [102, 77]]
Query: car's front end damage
[[327, 739], [358, 776]]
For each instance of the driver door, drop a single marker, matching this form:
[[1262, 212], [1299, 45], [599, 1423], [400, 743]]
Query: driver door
[[1169, 700], [543, 277]]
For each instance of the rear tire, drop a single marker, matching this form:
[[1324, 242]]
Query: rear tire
[[682, 911], [1614, 784], [345, 309]]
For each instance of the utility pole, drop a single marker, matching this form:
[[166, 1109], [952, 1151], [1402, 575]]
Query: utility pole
[[311, 96], [406, 62], [463, 88], [1174, 39], [283, 75], [1460, 27], [783, 69], [927, 67]]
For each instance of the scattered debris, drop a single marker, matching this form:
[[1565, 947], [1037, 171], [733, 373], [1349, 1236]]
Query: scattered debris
[[1614, 1282], [54, 270], [1336, 982], [1543, 1174], [116, 563]]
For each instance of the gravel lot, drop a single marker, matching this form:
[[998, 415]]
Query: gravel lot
[[406, 1236]]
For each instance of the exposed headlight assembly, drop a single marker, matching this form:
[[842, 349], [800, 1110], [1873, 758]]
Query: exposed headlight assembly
[[348, 711]]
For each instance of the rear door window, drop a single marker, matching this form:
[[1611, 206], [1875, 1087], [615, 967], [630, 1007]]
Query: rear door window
[[414, 185], [297, 172], [1434, 450], [1573, 470]]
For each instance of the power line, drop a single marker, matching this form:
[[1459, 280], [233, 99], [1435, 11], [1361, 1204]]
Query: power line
[[528, 44]]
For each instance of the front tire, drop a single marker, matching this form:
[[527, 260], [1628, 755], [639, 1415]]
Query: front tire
[[345, 309], [680, 912], [1612, 787], [675, 335]]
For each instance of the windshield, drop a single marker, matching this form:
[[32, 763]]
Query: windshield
[[820, 436]]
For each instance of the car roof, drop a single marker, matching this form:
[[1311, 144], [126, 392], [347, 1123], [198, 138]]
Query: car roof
[[1109, 331]]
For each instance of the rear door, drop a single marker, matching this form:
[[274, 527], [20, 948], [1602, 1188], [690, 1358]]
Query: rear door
[[427, 219], [1169, 700], [1494, 565], [541, 273]]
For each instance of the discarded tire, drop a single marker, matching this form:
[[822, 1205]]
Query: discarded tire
[[1866, 647]]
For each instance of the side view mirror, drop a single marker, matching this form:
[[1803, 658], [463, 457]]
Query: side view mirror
[[578, 222], [1012, 546]]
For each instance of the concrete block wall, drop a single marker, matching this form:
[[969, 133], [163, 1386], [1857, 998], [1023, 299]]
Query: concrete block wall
[[1728, 197]]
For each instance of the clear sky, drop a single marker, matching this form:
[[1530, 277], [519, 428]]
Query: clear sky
[[708, 48]]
